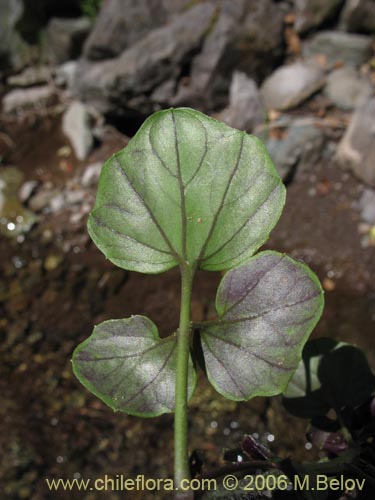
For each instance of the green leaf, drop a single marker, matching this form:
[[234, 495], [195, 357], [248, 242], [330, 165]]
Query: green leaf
[[186, 188], [129, 367], [267, 309], [330, 375]]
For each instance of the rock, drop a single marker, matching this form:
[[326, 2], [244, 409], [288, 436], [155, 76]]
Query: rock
[[26, 190], [349, 49], [14, 218], [52, 200], [367, 206], [34, 97], [358, 16], [121, 23], [66, 73], [290, 85], [248, 36], [356, 150], [76, 126], [164, 92], [300, 148], [312, 13], [34, 75], [157, 57], [259, 45], [346, 89], [14, 52], [64, 38], [91, 174], [41, 200], [246, 109]]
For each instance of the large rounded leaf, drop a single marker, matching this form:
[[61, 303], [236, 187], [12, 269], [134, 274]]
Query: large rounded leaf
[[186, 188], [267, 309], [129, 367]]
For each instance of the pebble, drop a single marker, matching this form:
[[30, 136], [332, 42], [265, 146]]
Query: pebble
[[77, 128]]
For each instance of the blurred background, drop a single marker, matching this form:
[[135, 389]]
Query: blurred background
[[77, 79]]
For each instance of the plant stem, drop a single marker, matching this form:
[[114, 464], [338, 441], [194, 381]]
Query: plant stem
[[181, 460]]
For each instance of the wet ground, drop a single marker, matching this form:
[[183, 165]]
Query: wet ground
[[56, 285]]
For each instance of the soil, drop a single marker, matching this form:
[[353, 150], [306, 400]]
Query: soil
[[56, 285]]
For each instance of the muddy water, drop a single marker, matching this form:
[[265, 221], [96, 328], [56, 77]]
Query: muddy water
[[56, 285]]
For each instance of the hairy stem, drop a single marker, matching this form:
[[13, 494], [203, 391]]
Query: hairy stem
[[181, 460]]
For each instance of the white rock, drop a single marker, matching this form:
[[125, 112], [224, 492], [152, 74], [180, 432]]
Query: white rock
[[26, 190], [91, 174], [356, 150], [76, 126], [290, 85], [20, 99], [65, 74]]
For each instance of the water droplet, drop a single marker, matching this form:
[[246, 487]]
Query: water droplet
[[11, 226], [213, 424], [59, 459], [226, 431], [270, 438]]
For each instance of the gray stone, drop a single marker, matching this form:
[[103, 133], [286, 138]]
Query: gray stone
[[312, 13], [164, 92], [356, 150], [33, 97], [64, 38], [76, 125], [290, 85], [245, 110], [149, 62], [358, 16], [34, 75], [91, 174], [300, 148], [14, 52], [367, 206], [247, 36], [41, 200], [121, 23], [347, 48], [346, 89]]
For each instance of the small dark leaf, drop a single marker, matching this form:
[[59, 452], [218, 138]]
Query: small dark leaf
[[267, 309], [129, 367], [254, 449], [331, 442], [330, 375], [345, 377]]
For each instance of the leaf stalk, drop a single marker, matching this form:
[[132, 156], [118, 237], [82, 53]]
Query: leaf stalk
[[181, 458]]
